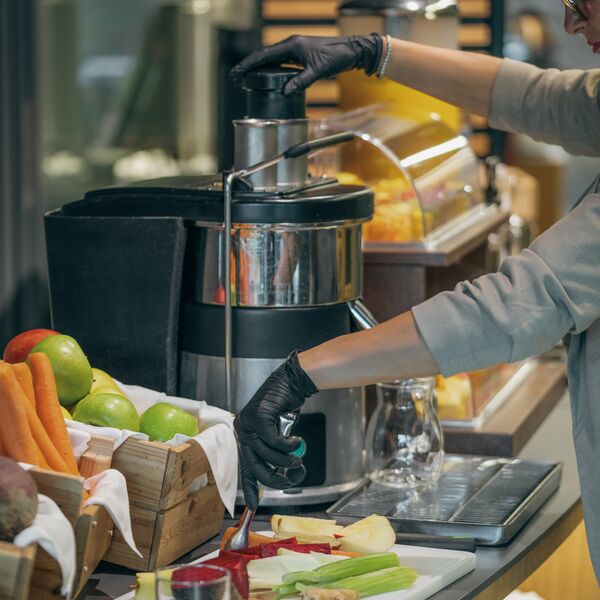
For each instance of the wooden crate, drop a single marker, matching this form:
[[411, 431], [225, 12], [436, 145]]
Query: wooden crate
[[30, 572], [169, 514], [16, 569]]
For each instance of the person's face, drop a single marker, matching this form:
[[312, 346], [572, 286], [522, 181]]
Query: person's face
[[583, 17]]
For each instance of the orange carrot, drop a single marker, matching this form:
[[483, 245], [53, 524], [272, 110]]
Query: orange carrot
[[14, 428], [23, 375], [48, 408], [50, 455], [2, 451]]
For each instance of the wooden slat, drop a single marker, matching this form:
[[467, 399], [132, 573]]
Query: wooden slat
[[187, 525], [16, 568], [477, 34], [98, 456], [186, 463], [272, 34], [143, 464], [475, 9], [65, 490], [299, 9]]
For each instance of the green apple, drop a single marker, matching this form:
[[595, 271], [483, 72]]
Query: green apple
[[162, 421], [107, 410], [102, 380], [71, 367]]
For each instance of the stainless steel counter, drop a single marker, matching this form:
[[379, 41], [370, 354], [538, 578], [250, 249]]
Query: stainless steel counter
[[500, 569]]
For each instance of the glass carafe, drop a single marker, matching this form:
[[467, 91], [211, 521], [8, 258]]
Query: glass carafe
[[404, 442]]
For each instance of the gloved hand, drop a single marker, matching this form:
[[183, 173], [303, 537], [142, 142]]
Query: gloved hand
[[262, 447], [320, 56]]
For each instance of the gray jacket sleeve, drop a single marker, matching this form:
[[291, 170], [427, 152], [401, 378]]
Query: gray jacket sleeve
[[557, 107], [549, 290]]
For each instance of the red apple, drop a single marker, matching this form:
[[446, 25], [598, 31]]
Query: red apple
[[21, 345]]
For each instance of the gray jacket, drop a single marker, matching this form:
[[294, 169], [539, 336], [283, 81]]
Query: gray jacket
[[552, 289]]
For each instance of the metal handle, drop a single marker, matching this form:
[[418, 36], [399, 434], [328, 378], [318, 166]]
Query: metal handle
[[361, 315], [318, 144]]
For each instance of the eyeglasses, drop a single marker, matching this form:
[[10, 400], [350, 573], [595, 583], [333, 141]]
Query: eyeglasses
[[575, 7]]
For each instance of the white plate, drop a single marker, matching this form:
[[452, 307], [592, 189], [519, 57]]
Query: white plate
[[437, 569]]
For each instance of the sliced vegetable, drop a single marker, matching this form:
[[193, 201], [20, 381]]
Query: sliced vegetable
[[369, 584], [349, 567], [371, 535], [267, 573], [237, 566]]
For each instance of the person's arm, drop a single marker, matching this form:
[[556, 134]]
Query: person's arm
[[535, 299], [465, 79], [393, 350]]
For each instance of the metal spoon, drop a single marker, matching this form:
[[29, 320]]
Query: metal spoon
[[239, 540]]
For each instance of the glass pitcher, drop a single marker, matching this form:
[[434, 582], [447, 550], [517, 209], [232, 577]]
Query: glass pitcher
[[404, 442]]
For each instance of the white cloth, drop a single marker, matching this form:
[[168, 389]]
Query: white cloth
[[216, 436], [53, 532], [109, 489]]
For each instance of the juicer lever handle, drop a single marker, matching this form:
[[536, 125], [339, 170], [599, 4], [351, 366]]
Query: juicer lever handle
[[318, 144]]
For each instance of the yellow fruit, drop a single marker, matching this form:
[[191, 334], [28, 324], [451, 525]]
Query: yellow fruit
[[102, 379], [371, 535], [65, 413]]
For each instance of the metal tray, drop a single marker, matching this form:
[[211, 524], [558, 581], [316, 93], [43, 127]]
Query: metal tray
[[488, 499]]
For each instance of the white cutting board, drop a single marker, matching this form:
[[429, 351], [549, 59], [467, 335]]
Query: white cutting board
[[437, 569]]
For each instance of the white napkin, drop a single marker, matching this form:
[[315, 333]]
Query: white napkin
[[108, 489], [216, 437], [53, 532]]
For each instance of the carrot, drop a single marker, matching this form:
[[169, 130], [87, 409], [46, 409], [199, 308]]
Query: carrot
[[14, 427], [2, 450], [50, 455], [23, 375], [254, 539], [48, 408]]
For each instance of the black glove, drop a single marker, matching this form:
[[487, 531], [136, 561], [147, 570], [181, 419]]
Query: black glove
[[262, 447], [320, 56]]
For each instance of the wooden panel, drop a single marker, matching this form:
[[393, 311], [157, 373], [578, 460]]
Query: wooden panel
[[143, 464], [65, 490], [475, 9], [186, 463], [272, 34], [143, 522], [165, 536], [187, 525], [477, 34], [16, 569], [97, 458], [300, 9]]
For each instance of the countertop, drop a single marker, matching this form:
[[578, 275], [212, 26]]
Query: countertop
[[500, 569]]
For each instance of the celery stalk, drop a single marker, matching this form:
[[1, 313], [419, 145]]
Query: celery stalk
[[344, 568], [370, 584]]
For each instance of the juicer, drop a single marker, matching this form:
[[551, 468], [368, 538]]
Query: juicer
[[288, 276]]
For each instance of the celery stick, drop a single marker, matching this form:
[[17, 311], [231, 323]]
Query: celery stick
[[370, 584], [344, 568]]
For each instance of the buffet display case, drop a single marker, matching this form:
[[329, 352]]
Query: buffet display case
[[426, 178]]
